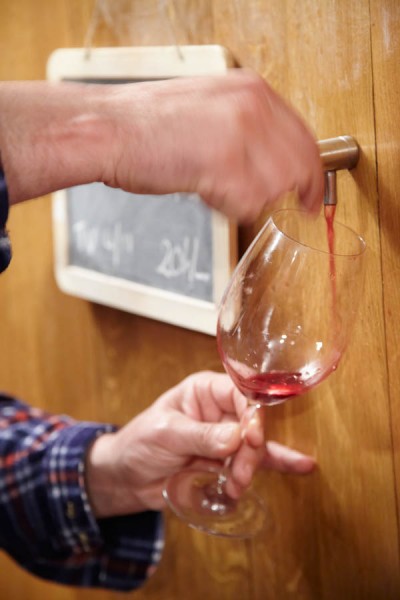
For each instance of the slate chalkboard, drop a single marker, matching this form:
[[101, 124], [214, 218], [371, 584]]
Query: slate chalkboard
[[159, 241], [165, 257]]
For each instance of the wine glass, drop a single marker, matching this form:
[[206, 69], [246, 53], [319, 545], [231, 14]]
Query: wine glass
[[284, 323]]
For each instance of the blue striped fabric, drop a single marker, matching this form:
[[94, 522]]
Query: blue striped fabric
[[5, 244], [46, 523]]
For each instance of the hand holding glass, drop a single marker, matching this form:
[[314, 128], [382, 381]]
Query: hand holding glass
[[284, 323]]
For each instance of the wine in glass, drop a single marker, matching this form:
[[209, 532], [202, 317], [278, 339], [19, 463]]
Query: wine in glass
[[284, 323]]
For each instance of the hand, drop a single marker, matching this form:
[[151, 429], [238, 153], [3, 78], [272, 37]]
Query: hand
[[230, 138], [195, 423]]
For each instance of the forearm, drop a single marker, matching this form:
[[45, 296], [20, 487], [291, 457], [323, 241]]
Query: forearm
[[41, 463], [52, 136], [231, 139], [46, 522]]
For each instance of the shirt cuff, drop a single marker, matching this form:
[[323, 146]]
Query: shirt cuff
[[128, 548], [71, 514]]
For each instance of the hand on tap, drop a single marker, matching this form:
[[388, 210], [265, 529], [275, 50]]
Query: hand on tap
[[230, 138]]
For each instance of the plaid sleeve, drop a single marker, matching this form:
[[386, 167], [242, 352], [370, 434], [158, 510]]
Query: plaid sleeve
[[46, 523]]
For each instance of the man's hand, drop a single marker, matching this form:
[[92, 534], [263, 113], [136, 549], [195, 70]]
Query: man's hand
[[196, 423], [230, 138]]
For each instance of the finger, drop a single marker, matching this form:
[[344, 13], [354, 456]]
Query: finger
[[293, 164], [209, 396], [311, 193], [207, 440], [252, 427], [242, 469], [226, 396], [301, 152], [286, 460]]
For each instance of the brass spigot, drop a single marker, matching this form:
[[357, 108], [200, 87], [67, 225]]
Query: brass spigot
[[336, 154]]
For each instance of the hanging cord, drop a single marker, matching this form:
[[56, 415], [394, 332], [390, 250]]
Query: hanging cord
[[91, 30], [102, 11], [169, 7]]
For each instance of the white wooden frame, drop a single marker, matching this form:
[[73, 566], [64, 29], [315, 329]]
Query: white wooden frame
[[142, 63]]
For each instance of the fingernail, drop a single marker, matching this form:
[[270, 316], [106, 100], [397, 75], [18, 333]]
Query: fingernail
[[299, 464], [226, 432], [305, 464]]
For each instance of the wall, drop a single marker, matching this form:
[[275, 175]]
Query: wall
[[336, 533]]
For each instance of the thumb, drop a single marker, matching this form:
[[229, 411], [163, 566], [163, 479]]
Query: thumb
[[209, 440]]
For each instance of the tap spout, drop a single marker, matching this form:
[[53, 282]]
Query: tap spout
[[330, 194]]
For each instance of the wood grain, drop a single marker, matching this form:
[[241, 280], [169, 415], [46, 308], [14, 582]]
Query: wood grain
[[334, 534], [385, 24]]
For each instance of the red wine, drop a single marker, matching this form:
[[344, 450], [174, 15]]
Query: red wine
[[272, 387], [330, 210]]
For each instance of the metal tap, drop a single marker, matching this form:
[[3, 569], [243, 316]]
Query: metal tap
[[336, 154]]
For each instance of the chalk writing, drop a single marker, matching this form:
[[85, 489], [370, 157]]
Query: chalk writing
[[113, 239], [181, 259]]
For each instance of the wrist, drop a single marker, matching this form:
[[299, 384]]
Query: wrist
[[100, 476], [112, 487], [52, 136]]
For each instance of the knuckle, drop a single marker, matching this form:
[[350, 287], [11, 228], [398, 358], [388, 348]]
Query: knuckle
[[162, 429], [246, 107], [197, 380], [248, 98], [204, 438], [253, 81]]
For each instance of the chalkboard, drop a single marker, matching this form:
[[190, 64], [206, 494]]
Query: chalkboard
[[165, 257], [140, 238]]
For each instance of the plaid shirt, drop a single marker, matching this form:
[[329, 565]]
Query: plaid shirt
[[46, 523]]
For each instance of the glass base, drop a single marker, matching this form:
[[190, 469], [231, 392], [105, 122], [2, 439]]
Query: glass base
[[194, 496]]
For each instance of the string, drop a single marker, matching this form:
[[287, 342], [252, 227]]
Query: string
[[115, 18], [91, 30]]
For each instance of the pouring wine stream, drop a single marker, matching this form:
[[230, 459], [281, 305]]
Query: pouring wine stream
[[336, 154]]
